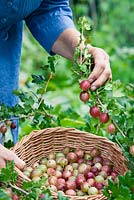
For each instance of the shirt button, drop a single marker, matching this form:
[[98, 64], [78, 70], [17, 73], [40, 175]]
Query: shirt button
[[3, 20], [9, 3]]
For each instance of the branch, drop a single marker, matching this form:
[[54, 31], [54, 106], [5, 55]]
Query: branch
[[97, 129], [118, 128], [19, 189], [50, 77], [99, 101], [15, 118], [46, 114]]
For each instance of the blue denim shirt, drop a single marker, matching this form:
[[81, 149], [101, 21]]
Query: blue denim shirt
[[46, 19]]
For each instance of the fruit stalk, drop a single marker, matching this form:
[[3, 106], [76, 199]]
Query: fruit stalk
[[99, 101]]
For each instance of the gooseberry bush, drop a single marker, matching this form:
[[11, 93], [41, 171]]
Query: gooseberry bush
[[110, 113]]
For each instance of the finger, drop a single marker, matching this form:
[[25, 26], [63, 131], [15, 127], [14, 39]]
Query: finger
[[21, 174], [101, 80], [11, 156], [98, 69], [19, 163], [2, 163]]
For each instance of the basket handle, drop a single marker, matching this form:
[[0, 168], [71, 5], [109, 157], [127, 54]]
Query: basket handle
[[20, 173]]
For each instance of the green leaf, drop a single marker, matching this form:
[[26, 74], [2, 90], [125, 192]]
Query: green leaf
[[52, 60], [121, 189], [113, 188], [83, 68], [61, 197], [40, 91], [16, 92], [127, 180], [4, 195], [125, 191], [47, 197], [8, 174], [106, 192], [67, 122], [37, 78]]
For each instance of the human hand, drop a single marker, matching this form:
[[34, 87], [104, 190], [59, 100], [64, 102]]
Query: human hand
[[101, 71], [7, 155], [65, 46]]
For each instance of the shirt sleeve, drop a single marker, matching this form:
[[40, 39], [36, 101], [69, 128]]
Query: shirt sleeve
[[49, 21]]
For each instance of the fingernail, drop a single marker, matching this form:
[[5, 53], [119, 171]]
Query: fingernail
[[90, 80], [93, 88]]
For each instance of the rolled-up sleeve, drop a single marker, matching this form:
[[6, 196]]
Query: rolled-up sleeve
[[49, 21]]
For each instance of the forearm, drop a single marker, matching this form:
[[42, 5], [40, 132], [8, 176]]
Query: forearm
[[66, 43]]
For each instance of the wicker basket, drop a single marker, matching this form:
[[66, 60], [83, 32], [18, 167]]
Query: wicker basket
[[40, 143]]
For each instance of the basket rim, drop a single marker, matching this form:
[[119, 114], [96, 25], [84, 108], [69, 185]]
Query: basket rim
[[34, 133]]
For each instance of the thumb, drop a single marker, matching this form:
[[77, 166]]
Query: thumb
[[18, 162], [11, 156]]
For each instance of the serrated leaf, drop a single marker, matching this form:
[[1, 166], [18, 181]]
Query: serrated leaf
[[125, 191], [127, 179], [113, 187], [6, 175]]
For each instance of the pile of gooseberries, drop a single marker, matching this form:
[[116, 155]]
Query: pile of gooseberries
[[73, 171], [95, 111]]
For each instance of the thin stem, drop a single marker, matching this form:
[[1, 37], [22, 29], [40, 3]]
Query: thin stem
[[76, 72], [19, 189], [35, 95], [118, 128], [41, 100], [97, 129], [81, 55], [99, 101], [15, 118], [119, 144], [46, 114]]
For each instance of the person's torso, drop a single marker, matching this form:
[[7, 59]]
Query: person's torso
[[12, 11]]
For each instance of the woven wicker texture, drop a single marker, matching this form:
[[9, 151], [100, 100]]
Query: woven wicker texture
[[40, 143]]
